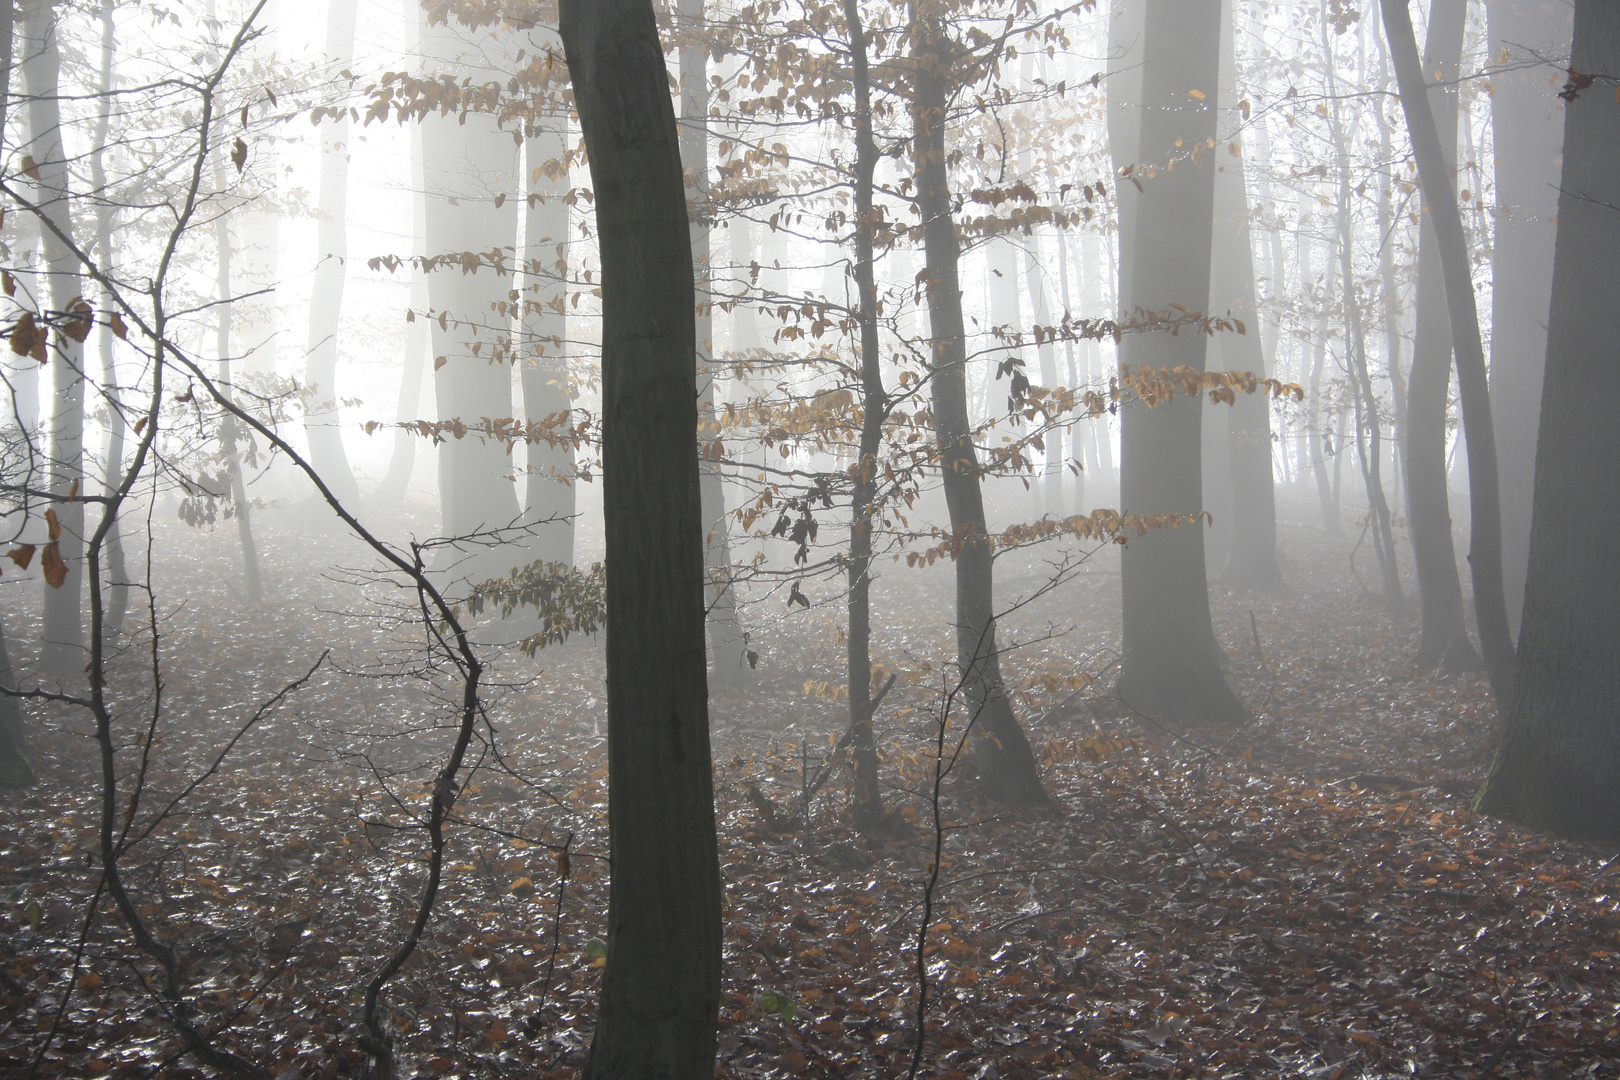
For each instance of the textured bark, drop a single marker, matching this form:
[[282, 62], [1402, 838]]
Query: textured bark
[[63, 651], [727, 644], [1251, 558], [874, 403], [661, 985], [1006, 763], [1443, 638], [1171, 666], [323, 417], [1528, 132], [549, 501], [1558, 765], [1485, 548]]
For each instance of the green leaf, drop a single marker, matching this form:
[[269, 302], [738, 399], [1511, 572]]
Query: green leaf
[[780, 1004], [33, 913], [596, 948]]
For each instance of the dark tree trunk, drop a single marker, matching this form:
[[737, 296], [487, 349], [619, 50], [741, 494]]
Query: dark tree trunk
[[1485, 549], [1527, 128], [1558, 766], [1444, 637], [661, 986], [874, 402], [15, 769], [1251, 558], [1007, 766], [1172, 664]]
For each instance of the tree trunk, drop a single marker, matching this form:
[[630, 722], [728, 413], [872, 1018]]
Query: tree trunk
[[323, 416], [227, 427], [726, 641], [874, 404], [15, 769], [1558, 765], [661, 986], [112, 470], [63, 651], [1171, 666], [1529, 136], [1443, 638], [1485, 553], [549, 503], [1006, 763], [1251, 560], [470, 165]]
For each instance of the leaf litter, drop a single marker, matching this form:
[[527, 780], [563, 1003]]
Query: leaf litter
[[1307, 896]]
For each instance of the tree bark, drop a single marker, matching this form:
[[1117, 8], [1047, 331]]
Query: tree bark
[[1171, 666], [661, 985], [63, 651], [874, 403], [1485, 554], [323, 416], [15, 769], [1558, 765], [1528, 133], [1007, 767]]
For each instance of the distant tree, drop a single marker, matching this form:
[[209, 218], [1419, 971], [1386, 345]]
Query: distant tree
[[1558, 765], [660, 994], [1172, 665]]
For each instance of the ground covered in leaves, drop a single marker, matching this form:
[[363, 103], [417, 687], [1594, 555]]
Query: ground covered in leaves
[[1308, 895]]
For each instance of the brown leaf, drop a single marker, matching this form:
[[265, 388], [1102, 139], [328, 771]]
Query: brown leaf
[[81, 319], [239, 153], [119, 329], [26, 337], [439, 362], [55, 525], [8, 283], [22, 555], [140, 425], [51, 564], [30, 167]]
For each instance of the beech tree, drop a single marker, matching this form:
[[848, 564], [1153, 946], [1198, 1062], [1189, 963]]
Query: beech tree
[[660, 994], [1558, 764]]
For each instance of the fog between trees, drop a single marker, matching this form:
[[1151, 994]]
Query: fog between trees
[[747, 451]]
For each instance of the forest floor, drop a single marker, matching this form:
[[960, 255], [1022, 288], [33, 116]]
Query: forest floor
[[1308, 895]]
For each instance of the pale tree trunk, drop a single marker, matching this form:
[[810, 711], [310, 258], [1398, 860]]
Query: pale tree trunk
[[1006, 763], [1251, 559], [549, 495], [228, 428], [1443, 638], [1053, 468], [1076, 435], [469, 174], [1558, 765], [1485, 549], [390, 494], [63, 651], [660, 994], [727, 643], [113, 467], [323, 415], [1172, 665], [1528, 133]]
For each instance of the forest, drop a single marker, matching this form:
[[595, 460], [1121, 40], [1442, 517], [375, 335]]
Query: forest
[[686, 539]]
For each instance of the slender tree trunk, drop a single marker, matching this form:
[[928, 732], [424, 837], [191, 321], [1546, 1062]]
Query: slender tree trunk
[[727, 643], [1558, 765], [323, 416], [1172, 665], [1528, 135], [1006, 763], [15, 768], [1046, 350], [1317, 442], [1076, 435], [227, 429], [661, 987], [549, 503], [1485, 549], [1443, 638], [1251, 560], [63, 651], [874, 404], [112, 470]]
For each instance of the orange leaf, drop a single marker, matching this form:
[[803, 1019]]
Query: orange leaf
[[22, 555], [30, 167], [56, 526], [51, 564], [116, 323]]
